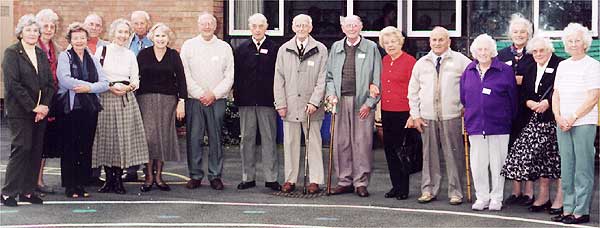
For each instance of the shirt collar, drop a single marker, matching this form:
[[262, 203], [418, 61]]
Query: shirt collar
[[262, 41], [353, 44], [443, 55], [304, 43]]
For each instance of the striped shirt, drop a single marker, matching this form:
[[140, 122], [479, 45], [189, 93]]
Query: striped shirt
[[573, 80]]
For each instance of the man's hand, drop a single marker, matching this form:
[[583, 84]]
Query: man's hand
[[333, 100], [282, 112], [180, 110], [208, 98], [82, 89], [373, 91], [310, 109], [419, 124], [364, 111]]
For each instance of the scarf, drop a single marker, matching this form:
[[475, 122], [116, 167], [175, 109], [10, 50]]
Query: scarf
[[86, 71], [52, 58]]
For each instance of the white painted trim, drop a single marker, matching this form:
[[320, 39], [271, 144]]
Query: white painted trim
[[241, 32], [536, 20], [369, 33], [419, 33]]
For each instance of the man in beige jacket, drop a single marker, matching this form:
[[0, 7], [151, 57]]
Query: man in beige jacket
[[435, 110]]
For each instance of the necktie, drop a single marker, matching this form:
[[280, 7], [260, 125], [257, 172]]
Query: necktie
[[258, 45], [437, 64], [139, 45], [301, 49]]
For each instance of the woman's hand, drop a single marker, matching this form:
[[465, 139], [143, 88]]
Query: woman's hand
[[117, 92], [40, 112], [562, 123], [180, 110], [541, 107]]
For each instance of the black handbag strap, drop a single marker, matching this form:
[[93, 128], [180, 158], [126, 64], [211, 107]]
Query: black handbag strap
[[546, 93], [103, 55]]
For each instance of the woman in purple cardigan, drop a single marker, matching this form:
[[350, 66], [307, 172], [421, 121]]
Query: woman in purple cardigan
[[488, 92]]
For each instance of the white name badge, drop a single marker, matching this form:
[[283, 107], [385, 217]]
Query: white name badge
[[264, 51], [215, 58], [509, 62], [310, 63], [486, 91], [361, 55], [549, 70]]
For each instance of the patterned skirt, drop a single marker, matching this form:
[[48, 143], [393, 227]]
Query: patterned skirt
[[534, 153], [120, 140], [158, 114]]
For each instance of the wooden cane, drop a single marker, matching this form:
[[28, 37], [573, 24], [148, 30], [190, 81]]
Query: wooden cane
[[331, 136], [306, 145], [466, 141]]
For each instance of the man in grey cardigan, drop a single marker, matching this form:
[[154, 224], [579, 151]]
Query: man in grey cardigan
[[354, 63], [298, 88]]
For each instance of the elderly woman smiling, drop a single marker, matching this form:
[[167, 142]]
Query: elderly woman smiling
[[576, 92], [488, 93]]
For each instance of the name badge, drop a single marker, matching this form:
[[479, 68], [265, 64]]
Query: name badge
[[361, 55], [486, 91], [264, 51], [549, 70], [310, 63], [509, 62], [215, 58]]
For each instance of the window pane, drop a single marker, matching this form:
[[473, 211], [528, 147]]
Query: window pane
[[557, 14], [245, 8], [492, 17], [376, 14], [428, 14], [325, 16]]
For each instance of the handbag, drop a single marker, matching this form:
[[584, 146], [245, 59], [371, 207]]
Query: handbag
[[410, 152], [404, 152], [61, 105]]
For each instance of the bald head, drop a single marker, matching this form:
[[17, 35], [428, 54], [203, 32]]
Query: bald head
[[439, 40]]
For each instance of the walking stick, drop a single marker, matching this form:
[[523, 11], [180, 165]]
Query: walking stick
[[331, 136], [306, 145], [466, 141]]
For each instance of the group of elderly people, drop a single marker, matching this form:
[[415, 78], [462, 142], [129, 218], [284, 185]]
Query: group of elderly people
[[528, 114]]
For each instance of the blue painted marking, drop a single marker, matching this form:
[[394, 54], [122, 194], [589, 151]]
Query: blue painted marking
[[8, 211], [84, 211], [168, 216], [326, 219], [254, 212]]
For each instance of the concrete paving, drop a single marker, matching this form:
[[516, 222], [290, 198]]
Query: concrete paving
[[256, 207]]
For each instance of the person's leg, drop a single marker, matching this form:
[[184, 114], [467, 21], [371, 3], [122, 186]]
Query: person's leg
[[393, 132], [479, 158], [558, 198], [31, 172], [362, 149], [215, 115], [453, 150], [315, 152], [583, 141], [342, 151], [195, 127], [248, 125], [498, 149], [267, 124], [543, 195], [430, 176], [40, 181], [291, 150], [567, 169]]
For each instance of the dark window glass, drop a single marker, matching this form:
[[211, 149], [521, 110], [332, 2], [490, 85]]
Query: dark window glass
[[428, 14], [376, 14], [325, 16], [557, 14], [245, 8], [492, 17]]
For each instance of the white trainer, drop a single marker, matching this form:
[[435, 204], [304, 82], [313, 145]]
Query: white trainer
[[495, 205], [480, 205]]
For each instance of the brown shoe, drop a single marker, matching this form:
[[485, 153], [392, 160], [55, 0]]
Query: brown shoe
[[362, 191], [191, 184], [343, 190], [216, 184], [313, 188], [288, 187]]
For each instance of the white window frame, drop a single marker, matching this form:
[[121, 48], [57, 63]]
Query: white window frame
[[246, 32], [536, 20], [367, 33], [422, 33]]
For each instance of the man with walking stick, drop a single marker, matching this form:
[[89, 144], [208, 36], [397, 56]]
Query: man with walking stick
[[298, 88]]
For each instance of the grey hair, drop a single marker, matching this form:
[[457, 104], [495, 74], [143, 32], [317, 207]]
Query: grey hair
[[301, 17], [257, 18], [140, 13], [115, 24], [441, 29], [24, 21], [391, 31], [161, 27], [351, 16], [539, 39], [577, 28], [46, 15], [484, 39], [517, 19], [206, 14], [91, 17]]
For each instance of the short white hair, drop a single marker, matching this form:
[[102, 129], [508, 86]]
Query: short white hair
[[92, 16], [480, 41], [442, 30], [212, 18], [350, 17], [391, 31], [257, 18], [46, 15], [575, 28], [519, 19], [115, 24], [302, 17], [24, 21], [539, 39], [140, 13]]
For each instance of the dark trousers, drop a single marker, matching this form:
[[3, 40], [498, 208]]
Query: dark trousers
[[26, 143], [393, 134], [76, 162]]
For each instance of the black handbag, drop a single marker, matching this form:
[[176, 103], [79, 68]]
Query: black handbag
[[61, 105], [410, 152]]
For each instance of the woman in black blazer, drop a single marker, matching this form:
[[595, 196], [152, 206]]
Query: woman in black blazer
[[29, 89], [534, 154]]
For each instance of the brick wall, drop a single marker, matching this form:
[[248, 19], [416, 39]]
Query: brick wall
[[180, 15]]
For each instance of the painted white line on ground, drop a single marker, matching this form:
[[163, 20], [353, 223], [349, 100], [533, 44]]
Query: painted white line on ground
[[510, 218], [162, 225]]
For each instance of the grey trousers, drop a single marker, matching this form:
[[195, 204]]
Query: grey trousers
[[200, 119], [253, 118], [353, 154], [291, 151], [444, 136]]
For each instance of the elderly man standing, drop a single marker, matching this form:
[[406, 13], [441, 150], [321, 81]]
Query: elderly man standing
[[253, 92], [93, 24], [435, 110], [299, 88], [140, 20], [354, 64], [208, 65]]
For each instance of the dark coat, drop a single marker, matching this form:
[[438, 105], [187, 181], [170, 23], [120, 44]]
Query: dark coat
[[519, 68], [23, 84], [254, 73], [546, 82]]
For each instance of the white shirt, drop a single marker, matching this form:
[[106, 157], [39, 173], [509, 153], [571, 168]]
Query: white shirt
[[120, 64], [302, 44], [540, 73], [208, 66], [261, 41], [353, 44], [573, 80], [30, 51]]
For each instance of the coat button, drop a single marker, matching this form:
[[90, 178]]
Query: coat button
[[298, 95], [296, 118]]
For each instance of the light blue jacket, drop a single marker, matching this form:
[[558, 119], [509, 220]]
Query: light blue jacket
[[368, 71], [66, 82]]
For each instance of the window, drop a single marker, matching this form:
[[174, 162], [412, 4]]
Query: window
[[376, 15], [551, 17], [325, 17], [240, 10], [493, 17], [422, 16]]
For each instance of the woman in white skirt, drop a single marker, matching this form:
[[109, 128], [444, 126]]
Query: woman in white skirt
[[120, 140]]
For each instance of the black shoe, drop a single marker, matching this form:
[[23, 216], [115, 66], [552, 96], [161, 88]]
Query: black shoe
[[246, 185], [32, 198], [402, 197], [162, 186], [216, 184], [572, 220], [109, 183], [555, 211], [538, 208], [275, 186], [513, 199], [145, 188], [527, 201], [8, 201], [82, 192], [392, 193], [130, 177], [559, 218], [118, 185]]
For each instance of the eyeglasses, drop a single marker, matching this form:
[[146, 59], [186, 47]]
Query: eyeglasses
[[299, 26]]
